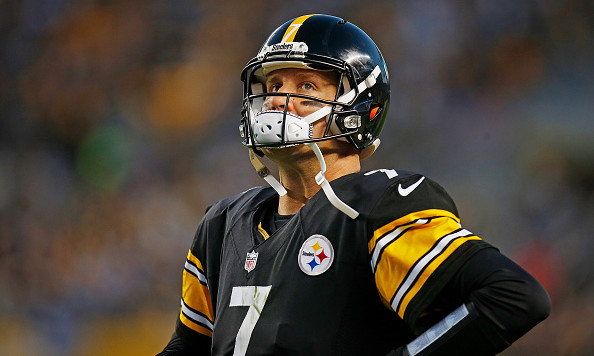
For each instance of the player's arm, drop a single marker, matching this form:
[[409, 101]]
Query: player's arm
[[426, 265], [195, 322], [498, 303], [193, 331]]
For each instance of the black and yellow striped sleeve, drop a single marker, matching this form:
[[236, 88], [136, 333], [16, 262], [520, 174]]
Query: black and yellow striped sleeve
[[413, 256], [196, 307]]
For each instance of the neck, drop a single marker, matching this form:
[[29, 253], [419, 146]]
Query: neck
[[298, 175]]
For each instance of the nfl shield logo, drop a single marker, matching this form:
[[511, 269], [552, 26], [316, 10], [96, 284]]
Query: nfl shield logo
[[250, 260]]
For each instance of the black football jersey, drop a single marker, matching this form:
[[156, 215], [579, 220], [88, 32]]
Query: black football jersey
[[323, 284]]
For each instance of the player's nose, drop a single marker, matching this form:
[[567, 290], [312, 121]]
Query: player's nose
[[278, 102]]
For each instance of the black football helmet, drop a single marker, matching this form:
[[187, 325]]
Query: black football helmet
[[320, 42]]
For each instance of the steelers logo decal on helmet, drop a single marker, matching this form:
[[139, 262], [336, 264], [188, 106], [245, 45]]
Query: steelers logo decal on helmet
[[316, 255]]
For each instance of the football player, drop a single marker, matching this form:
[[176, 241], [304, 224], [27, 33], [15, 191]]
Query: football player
[[330, 260]]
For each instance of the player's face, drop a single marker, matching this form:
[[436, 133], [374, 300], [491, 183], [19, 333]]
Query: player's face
[[319, 84]]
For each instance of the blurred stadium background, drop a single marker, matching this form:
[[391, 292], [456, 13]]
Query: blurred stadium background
[[118, 126]]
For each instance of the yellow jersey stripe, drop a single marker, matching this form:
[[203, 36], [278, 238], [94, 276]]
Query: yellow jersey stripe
[[196, 310], [291, 31], [196, 295], [195, 321], [199, 328], [401, 255], [262, 231], [426, 273], [192, 269], [407, 219], [195, 261], [387, 239]]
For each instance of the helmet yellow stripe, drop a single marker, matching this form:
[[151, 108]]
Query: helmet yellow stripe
[[291, 31]]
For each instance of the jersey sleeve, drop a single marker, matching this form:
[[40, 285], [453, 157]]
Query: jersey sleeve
[[199, 282], [417, 245], [196, 312]]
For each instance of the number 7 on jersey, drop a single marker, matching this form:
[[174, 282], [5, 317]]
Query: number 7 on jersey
[[253, 297]]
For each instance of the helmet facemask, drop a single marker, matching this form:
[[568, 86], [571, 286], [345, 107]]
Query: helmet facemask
[[267, 126]]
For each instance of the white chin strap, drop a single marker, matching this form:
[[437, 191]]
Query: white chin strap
[[320, 180], [323, 182], [264, 172]]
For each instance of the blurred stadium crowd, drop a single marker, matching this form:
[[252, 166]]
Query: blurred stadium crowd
[[118, 127]]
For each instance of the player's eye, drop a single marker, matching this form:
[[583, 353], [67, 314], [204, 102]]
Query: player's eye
[[307, 86]]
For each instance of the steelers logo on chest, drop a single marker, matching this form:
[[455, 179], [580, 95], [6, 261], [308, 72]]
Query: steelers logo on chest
[[316, 255]]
